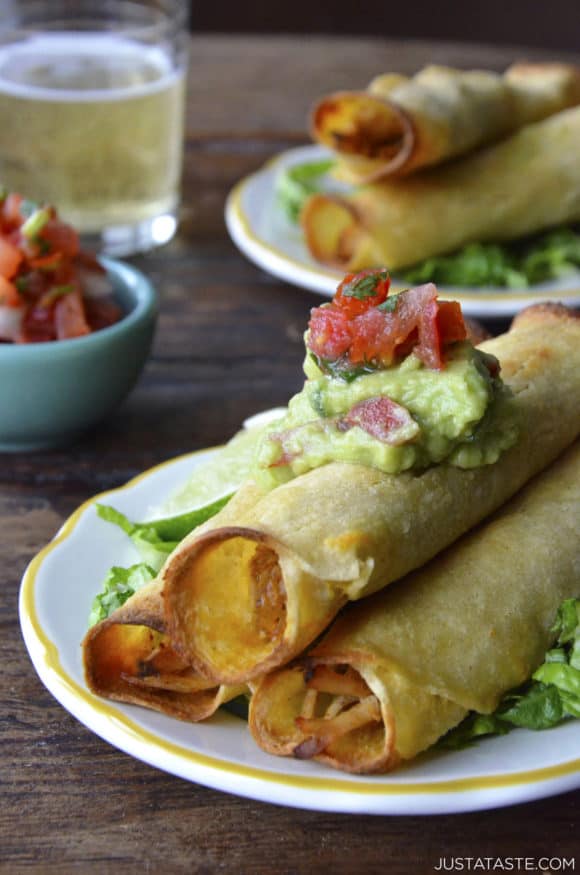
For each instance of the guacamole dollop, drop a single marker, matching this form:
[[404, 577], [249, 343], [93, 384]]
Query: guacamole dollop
[[462, 415]]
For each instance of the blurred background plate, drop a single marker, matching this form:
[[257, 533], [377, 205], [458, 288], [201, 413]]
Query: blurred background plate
[[260, 229]]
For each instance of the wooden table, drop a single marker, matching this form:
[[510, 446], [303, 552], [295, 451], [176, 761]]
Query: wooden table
[[228, 344]]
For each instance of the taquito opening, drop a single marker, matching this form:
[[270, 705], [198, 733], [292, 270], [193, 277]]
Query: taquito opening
[[366, 126], [136, 664], [333, 231], [225, 604], [323, 712]]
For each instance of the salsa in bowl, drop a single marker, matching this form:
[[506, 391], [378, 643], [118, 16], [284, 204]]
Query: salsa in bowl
[[81, 333], [49, 288]]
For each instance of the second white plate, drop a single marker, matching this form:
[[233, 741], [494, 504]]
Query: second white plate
[[259, 228]]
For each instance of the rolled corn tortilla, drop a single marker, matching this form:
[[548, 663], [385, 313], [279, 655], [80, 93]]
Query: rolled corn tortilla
[[524, 184], [402, 124], [245, 595], [128, 657], [398, 670]]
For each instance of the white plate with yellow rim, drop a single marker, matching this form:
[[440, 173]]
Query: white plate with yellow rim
[[55, 598], [260, 229]]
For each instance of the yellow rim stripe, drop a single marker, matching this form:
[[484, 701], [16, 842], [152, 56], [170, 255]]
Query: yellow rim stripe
[[459, 294], [380, 786]]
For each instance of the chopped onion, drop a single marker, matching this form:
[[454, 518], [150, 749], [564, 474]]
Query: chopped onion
[[95, 284]]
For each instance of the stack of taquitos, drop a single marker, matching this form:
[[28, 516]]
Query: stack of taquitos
[[247, 594], [401, 668], [402, 124], [129, 656], [521, 185]]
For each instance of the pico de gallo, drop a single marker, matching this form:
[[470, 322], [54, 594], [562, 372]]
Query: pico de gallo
[[365, 328], [392, 383], [49, 288]]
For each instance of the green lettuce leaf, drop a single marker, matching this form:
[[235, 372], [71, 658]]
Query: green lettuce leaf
[[477, 264], [469, 730], [295, 184], [119, 585], [562, 677], [539, 707], [155, 540], [517, 264], [554, 255], [551, 696]]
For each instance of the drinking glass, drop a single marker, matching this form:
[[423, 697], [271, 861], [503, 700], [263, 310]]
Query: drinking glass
[[92, 112]]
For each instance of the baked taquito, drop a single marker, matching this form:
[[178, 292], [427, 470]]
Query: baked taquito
[[400, 669], [527, 183], [246, 594], [401, 124], [128, 657]]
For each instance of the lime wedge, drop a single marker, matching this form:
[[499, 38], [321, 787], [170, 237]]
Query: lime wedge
[[225, 471]]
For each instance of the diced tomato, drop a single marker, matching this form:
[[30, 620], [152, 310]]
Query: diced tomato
[[69, 317], [330, 332], [33, 284], [381, 337], [357, 292], [9, 296], [374, 338], [450, 321], [441, 324], [383, 419], [45, 276], [377, 329], [60, 237], [11, 215], [280, 438], [422, 306], [10, 258], [101, 312]]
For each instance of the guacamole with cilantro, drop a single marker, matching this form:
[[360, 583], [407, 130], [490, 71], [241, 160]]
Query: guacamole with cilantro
[[393, 387], [461, 415]]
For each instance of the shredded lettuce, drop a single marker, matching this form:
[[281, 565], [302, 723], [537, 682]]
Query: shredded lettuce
[[519, 264], [551, 696], [295, 184], [477, 264], [119, 585]]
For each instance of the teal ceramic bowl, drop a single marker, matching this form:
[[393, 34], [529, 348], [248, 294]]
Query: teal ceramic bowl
[[52, 392]]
